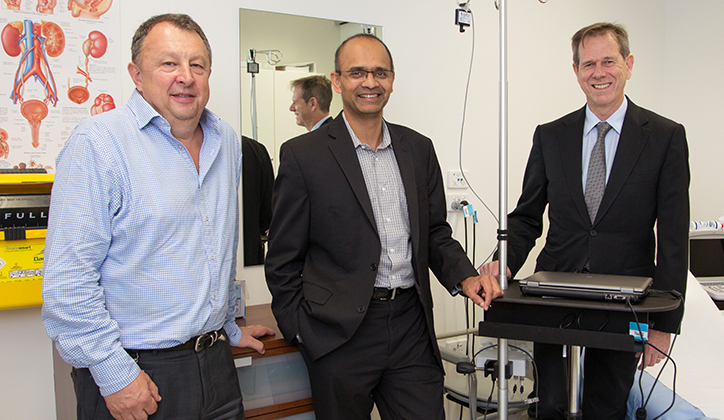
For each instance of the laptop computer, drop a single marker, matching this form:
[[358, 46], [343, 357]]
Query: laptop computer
[[706, 260], [586, 286]]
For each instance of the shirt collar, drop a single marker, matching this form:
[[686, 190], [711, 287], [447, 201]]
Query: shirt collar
[[320, 122], [615, 120], [386, 139]]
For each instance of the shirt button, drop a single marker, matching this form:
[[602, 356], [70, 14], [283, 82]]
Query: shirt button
[[212, 258], [593, 232], [179, 147], [373, 266], [361, 309], [213, 297], [207, 218]]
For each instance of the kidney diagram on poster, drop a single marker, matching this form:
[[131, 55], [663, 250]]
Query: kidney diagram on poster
[[60, 64]]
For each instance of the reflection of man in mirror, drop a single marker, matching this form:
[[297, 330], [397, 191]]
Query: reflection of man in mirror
[[311, 98], [141, 248], [358, 221], [257, 181]]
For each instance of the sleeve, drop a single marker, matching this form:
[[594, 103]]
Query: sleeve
[[288, 239], [525, 223], [86, 196], [230, 326], [672, 227], [267, 185], [447, 258]]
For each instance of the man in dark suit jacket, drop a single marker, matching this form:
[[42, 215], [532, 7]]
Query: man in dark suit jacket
[[257, 184], [358, 221], [646, 163], [311, 98]]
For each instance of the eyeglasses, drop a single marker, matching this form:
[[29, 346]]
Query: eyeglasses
[[379, 74]]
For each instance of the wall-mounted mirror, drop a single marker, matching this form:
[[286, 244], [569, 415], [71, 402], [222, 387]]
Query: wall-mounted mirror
[[287, 47]]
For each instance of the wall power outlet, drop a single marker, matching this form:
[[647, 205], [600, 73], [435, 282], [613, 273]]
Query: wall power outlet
[[457, 345]]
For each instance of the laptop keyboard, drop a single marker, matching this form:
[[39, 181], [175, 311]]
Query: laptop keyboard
[[714, 288]]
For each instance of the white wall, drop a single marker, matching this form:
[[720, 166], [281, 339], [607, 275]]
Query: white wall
[[693, 95], [678, 61], [26, 366]]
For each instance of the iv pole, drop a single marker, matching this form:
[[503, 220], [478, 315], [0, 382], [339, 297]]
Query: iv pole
[[503, 199], [501, 5], [252, 67]]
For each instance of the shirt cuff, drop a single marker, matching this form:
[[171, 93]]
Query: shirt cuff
[[456, 290], [115, 373], [233, 331]]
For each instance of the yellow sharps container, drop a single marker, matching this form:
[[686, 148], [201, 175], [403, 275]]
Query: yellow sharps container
[[24, 203]]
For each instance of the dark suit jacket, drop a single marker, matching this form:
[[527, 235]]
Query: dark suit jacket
[[257, 180], [323, 243], [648, 184]]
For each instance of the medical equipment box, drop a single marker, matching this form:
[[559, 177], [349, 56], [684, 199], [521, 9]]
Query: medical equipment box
[[24, 203]]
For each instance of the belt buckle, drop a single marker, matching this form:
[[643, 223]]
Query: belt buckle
[[206, 340], [392, 294]]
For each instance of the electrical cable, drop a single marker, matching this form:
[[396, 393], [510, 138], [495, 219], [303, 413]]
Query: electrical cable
[[467, 325], [467, 300], [535, 372], [465, 225], [474, 242], [487, 258], [468, 343], [465, 106], [490, 397], [581, 327], [466, 7], [641, 411]]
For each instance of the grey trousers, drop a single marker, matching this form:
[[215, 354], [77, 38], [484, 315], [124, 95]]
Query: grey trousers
[[192, 385]]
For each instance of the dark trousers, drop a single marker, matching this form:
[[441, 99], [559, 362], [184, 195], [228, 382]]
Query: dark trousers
[[608, 376], [192, 385], [389, 361]]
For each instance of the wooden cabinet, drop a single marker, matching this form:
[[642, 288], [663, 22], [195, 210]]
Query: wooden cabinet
[[274, 385]]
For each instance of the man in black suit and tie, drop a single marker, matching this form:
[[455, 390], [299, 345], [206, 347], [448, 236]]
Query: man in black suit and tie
[[358, 221], [311, 98], [608, 172]]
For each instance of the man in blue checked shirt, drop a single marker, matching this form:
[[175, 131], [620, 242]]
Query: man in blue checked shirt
[[142, 239]]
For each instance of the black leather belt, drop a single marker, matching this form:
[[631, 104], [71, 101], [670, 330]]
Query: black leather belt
[[381, 293], [197, 343]]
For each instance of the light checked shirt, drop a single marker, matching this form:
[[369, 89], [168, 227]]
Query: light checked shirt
[[141, 248], [387, 194]]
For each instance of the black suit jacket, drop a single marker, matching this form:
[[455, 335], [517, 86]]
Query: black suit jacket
[[257, 182], [323, 243], [648, 185]]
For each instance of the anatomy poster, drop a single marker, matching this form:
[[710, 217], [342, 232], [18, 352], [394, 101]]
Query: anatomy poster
[[60, 64]]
